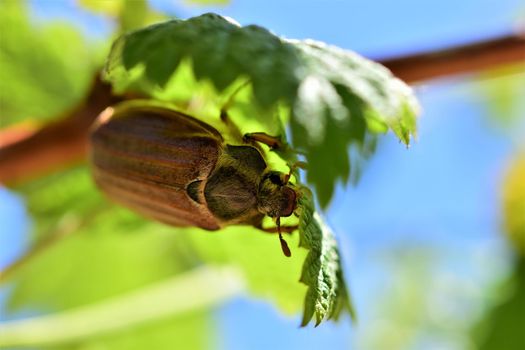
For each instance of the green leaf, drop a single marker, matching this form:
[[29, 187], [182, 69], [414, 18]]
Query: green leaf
[[327, 296], [341, 104], [344, 136], [335, 100], [340, 71], [220, 51]]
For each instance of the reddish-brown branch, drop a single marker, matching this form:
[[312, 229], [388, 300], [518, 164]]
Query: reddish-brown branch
[[458, 60], [25, 154]]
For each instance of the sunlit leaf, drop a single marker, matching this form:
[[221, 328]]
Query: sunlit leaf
[[220, 50]]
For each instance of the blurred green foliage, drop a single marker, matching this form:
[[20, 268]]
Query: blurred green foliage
[[44, 69], [502, 327], [503, 94], [110, 251], [418, 305], [514, 204], [194, 331], [129, 14]]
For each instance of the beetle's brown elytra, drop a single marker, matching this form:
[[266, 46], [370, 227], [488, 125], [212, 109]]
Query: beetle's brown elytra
[[176, 169]]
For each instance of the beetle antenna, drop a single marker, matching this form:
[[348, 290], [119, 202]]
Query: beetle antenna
[[287, 176], [284, 245]]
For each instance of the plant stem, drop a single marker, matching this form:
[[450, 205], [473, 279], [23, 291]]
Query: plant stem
[[182, 294]]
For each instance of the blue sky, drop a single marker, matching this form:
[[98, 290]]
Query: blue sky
[[372, 27], [441, 193]]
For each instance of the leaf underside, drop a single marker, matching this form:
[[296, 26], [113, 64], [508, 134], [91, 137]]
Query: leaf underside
[[336, 103]]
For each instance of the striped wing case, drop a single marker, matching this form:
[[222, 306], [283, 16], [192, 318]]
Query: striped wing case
[[146, 157]]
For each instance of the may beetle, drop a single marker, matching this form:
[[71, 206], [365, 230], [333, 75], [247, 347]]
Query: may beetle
[[176, 169]]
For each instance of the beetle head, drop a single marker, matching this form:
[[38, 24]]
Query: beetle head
[[276, 198]]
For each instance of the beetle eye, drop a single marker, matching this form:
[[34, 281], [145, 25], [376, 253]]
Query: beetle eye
[[276, 179], [289, 201]]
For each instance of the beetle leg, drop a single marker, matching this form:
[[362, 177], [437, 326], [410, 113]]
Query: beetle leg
[[271, 141], [274, 143], [225, 118], [231, 98], [233, 129], [293, 168]]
